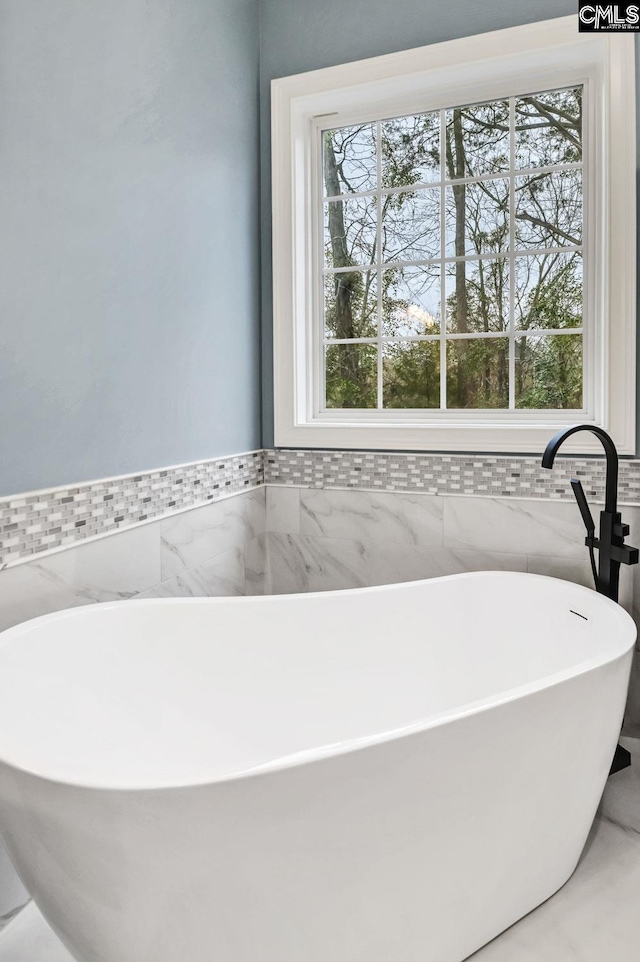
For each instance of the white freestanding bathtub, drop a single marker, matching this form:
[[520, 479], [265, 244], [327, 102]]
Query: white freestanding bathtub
[[390, 774]]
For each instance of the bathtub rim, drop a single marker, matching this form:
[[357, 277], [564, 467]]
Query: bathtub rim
[[325, 752]]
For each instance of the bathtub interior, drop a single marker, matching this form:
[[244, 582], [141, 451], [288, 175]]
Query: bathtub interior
[[184, 691]]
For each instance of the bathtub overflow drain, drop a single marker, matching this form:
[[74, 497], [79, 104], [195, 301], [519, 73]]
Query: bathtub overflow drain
[[584, 617]]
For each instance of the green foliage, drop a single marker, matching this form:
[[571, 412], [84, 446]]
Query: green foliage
[[411, 374], [556, 302], [478, 373], [351, 376], [549, 373]]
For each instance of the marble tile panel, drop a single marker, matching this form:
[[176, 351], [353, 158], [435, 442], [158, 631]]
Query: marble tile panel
[[394, 563], [567, 569], [372, 516], [631, 515], [283, 509], [190, 538], [578, 570], [551, 529], [221, 576], [110, 569], [627, 588], [255, 566], [298, 563]]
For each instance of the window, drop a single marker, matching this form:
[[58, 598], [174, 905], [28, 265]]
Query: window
[[452, 258], [462, 265]]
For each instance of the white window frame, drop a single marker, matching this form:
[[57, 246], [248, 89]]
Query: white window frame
[[521, 60]]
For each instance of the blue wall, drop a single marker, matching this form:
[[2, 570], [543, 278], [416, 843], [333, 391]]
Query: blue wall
[[299, 35], [129, 215], [129, 250]]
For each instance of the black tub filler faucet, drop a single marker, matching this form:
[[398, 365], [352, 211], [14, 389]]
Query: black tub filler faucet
[[612, 551]]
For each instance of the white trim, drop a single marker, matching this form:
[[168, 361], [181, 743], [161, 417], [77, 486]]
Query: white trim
[[551, 53], [621, 242]]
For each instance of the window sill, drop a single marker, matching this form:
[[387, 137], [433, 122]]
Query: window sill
[[445, 437]]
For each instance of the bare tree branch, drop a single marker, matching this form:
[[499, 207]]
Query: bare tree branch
[[552, 228]]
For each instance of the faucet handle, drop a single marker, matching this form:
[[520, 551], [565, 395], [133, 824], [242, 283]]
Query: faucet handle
[[580, 497], [625, 554]]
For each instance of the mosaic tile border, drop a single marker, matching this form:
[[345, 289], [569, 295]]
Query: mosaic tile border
[[31, 524], [489, 476]]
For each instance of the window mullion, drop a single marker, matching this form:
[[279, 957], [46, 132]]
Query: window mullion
[[487, 256], [478, 179]]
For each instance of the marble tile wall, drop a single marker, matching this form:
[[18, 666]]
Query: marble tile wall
[[316, 537], [37, 523], [202, 551]]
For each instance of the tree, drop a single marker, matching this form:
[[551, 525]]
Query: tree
[[541, 211]]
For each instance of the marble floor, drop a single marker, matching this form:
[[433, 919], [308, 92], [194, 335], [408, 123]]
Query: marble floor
[[594, 918]]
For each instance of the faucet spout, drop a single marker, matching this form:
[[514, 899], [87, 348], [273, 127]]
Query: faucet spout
[[611, 481]]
